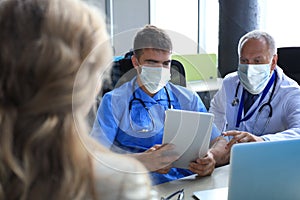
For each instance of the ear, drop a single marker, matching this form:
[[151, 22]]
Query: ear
[[134, 61], [274, 62]]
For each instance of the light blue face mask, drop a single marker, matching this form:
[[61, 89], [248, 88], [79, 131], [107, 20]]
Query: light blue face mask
[[254, 78], [154, 78]]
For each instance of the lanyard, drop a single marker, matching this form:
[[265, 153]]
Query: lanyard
[[241, 107]]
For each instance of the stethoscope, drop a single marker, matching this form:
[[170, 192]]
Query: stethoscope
[[152, 126], [236, 102]]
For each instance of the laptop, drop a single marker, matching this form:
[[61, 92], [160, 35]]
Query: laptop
[[190, 132], [261, 171]]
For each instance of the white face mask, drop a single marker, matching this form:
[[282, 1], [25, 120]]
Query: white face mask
[[154, 78], [254, 78]]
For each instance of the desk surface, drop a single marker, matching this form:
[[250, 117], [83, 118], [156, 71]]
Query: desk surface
[[193, 183]]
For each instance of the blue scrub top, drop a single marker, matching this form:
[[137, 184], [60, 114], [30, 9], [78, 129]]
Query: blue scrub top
[[114, 128]]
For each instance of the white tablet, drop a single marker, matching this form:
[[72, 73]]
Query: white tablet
[[190, 132]]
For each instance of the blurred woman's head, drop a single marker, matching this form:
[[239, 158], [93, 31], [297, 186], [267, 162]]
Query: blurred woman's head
[[52, 53]]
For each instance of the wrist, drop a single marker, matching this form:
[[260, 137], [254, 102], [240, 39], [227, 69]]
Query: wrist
[[219, 153]]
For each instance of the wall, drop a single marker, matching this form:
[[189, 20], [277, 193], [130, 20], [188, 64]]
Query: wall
[[128, 16]]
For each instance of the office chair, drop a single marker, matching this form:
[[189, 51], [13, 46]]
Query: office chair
[[288, 60]]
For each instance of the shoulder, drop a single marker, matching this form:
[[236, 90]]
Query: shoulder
[[118, 94], [284, 79], [186, 99], [127, 180], [231, 77], [121, 90], [181, 91], [229, 82], [286, 84]]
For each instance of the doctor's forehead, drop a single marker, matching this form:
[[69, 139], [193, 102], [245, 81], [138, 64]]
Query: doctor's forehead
[[154, 54], [254, 48]]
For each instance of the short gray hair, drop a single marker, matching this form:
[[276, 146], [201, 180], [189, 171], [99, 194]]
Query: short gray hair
[[256, 34]]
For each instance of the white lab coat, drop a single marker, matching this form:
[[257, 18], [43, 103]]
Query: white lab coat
[[285, 121]]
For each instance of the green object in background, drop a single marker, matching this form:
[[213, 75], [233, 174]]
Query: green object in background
[[198, 66]]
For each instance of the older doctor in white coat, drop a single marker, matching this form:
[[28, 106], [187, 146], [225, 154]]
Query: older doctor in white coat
[[258, 102]]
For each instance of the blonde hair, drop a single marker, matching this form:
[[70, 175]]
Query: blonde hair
[[43, 44]]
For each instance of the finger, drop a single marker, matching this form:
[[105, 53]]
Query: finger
[[160, 146], [238, 138], [167, 146], [202, 170], [154, 148], [249, 138], [164, 170], [231, 133], [231, 143], [205, 160], [157, 146], [203, 163], [151, 149], [245, 137]]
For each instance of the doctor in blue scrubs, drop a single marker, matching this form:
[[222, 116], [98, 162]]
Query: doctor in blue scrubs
[[130, 118], [258, 102]]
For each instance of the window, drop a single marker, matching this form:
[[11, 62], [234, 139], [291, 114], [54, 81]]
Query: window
[[189, 22], [280, 19]]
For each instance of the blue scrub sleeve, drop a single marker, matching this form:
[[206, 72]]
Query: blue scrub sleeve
[[105, 126], [215, 132]]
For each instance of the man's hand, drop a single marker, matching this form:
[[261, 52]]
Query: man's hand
[[220, 153], [241, 137], [203, 166], [158, 158]]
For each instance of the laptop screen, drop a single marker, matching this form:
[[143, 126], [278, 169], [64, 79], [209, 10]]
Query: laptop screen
[[265, 170]]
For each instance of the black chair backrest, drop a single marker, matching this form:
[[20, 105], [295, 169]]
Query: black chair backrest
[[288, 60], [178, 73]]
